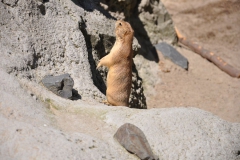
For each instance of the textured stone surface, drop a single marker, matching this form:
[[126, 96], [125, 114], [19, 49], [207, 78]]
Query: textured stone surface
[[134, 140], [61, 85], [171, 53], [41, 38], [29, 129], [85, 130]]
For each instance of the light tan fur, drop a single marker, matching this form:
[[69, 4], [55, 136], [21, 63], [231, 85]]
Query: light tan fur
[[119, 62]]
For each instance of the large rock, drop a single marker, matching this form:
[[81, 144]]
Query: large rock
[[66, 129]]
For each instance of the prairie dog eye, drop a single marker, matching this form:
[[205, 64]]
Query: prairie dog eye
[[120, 23]]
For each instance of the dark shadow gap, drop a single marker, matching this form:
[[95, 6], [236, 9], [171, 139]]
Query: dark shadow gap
[[96, 76], [75, 95]]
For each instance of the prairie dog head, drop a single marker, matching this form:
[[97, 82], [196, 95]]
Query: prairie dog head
[[123, 30]]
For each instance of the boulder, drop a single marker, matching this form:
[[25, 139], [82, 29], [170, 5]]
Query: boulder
[[85, 130]]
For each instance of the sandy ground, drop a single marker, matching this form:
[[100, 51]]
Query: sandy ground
[[214, 24]]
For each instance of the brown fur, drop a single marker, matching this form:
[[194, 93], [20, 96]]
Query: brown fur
[[119, 63]]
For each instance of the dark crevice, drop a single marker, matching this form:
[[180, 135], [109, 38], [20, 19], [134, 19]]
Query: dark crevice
[[238, 153], [34, 63], [42, 9], [75, 95], [96, 76], [45, 1]]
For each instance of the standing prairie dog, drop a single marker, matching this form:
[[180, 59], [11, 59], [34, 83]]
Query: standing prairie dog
[[119, 62]]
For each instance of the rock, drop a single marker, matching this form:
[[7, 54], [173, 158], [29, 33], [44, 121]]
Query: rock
[[134, 141], [82, 129], [171, 53], [61, 85]]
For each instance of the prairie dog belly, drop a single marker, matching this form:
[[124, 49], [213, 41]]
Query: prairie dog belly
[[119, 81]]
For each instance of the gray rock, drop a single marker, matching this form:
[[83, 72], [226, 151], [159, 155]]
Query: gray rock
[[61, 85], [82, 129], [171, 53], [134, 141]]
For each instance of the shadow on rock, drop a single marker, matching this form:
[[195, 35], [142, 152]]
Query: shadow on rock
[[96, 75], [91, 5], [75, 95]]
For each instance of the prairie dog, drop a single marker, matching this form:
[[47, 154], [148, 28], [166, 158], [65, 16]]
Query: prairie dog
[[119, 62]]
